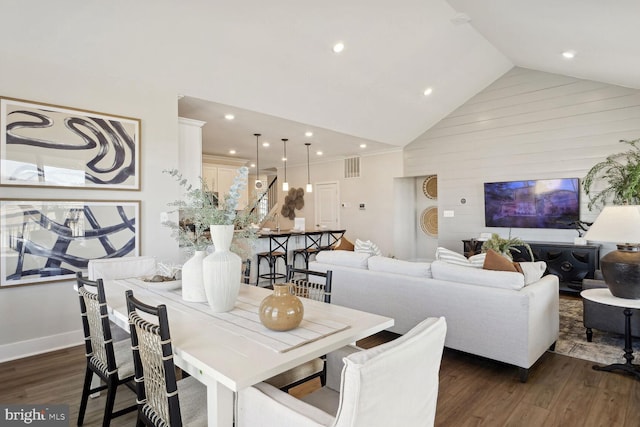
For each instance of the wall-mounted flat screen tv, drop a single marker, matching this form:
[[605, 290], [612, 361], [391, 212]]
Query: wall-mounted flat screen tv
[[541, 203]]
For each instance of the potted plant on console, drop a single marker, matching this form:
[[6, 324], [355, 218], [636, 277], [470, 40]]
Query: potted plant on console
[[505, 246]]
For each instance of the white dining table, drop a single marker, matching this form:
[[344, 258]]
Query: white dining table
[[231, 351]]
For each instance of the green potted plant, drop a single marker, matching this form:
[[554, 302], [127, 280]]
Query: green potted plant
[[505, 246], [621, 175]]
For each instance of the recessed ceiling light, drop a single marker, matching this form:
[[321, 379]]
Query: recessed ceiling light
[[338, 47], [569, 54], [428, 91], [253, 165], [229, 116], [265, 144], [284, 159], [363, 145], [319, 153], [308, 134], [232, 151]]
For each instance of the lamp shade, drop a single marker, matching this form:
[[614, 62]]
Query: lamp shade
[[618, 224]]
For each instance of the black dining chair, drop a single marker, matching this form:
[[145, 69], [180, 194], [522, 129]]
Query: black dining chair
[[111, 361], [317, 288], [162, 400]]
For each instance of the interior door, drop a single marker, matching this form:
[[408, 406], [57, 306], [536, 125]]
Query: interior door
[[327, 205]]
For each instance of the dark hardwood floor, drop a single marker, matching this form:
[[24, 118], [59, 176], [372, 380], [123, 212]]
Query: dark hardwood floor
[[561, 391]]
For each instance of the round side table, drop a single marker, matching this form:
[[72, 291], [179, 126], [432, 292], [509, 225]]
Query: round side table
[[604, 296]]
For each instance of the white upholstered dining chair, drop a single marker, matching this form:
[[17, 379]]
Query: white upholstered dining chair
[[394, 384], [121, 268]]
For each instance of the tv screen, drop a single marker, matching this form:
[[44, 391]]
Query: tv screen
[[542, 203]]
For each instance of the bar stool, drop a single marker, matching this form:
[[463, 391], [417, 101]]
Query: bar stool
[[332, 238], [312, 245], [278, 244]]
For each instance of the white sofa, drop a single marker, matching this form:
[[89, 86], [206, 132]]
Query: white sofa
[[489, 313]]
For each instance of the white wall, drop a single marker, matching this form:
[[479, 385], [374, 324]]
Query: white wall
[[526, 125], [41, 317], [374, 188]]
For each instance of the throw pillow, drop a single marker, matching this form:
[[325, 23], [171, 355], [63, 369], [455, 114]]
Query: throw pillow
[[451, 257], [495, 261], [343, 245], [367, 246], [532, 271]]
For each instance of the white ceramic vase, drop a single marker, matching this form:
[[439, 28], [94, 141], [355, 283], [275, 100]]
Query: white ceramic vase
[[192, 281], [221, 271]]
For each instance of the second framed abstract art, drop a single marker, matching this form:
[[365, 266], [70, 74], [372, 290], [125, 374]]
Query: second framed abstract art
[[51, 240]]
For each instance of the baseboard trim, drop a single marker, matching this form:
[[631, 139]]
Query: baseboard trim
[[21, 349]]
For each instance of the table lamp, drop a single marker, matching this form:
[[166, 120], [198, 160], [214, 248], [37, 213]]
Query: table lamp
[[620, 268]]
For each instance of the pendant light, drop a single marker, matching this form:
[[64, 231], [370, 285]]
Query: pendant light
[[285, 184], [258, 182], [309, 186]]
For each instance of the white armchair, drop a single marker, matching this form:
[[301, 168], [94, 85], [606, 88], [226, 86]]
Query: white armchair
[[393, 384]]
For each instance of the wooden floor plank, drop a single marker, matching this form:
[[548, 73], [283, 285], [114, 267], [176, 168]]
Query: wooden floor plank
[[561, 391]]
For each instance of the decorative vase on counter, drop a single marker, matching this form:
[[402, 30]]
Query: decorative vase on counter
[[221, 271], [282, 310], [192, 282]]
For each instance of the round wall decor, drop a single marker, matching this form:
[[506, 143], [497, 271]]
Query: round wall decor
[[429, 221], [430, 186]]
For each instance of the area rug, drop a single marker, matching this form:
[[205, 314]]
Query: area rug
[[605, 348]]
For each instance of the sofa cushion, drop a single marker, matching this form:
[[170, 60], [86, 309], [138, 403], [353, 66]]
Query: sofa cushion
[[343, 245], [344, 258], [476, 276], [452, 257], [397, 266]]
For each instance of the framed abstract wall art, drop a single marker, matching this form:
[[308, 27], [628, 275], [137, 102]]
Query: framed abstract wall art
[[43, 145], [51, 240]]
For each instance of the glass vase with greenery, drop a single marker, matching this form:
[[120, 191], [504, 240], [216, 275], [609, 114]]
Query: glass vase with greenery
[[620, 173]]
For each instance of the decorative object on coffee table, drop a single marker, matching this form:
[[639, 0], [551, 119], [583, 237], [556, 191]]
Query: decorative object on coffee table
[[620, 268], [282, 310]]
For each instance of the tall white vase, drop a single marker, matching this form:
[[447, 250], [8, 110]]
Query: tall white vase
[[221, 271], [192, 281]]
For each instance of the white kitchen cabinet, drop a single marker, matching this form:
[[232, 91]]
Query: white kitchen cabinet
[[220, 176]]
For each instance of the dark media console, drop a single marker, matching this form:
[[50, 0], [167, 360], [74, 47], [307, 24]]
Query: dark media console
[[571, 263]]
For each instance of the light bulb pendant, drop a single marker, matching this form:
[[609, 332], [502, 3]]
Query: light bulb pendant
[[285, 186], [309, 187]]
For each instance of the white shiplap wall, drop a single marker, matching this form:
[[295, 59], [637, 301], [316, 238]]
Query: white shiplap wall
[[526, 125]]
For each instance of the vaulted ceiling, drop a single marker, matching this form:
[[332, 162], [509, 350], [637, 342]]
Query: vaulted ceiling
[[271, 64]]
